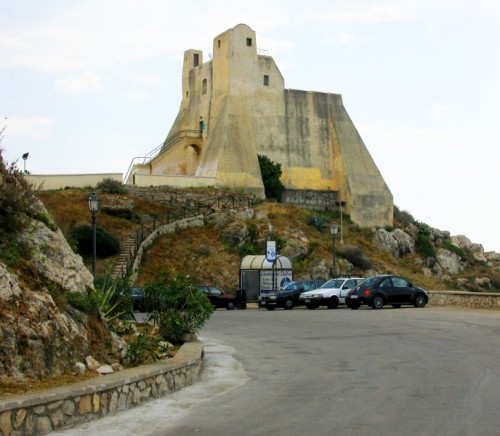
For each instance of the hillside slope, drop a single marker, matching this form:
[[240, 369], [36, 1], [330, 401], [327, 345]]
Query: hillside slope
[[211, 254]]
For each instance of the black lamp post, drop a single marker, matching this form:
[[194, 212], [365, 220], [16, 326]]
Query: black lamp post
[[93, 207], [333, 230]]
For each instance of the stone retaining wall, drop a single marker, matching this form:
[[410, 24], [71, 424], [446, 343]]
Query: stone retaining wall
[[478, 300], [41, 412]]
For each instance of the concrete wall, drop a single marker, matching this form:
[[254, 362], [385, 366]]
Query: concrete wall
[[45, 411], [61, 181]]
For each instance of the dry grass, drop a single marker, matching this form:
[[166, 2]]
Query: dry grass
[[201, 254]]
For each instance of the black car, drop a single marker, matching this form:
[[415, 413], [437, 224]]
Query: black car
[[219, 298], [379, 290], [288, 297]]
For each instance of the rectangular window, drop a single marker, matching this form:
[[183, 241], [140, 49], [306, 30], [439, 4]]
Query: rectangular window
[[249, 42], [218, 43], [266, 80], [196, 59]]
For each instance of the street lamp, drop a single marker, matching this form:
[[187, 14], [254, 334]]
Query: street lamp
[[340, 205], [333, 230], [93, 202]]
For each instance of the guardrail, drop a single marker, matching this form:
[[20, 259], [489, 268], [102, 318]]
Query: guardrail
[[149, 226], [169, 142]]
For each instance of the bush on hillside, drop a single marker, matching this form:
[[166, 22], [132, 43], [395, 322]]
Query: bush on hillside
[[106, 244], [402, 216], [355, 256], [318, 221], [271, 173], [176, 305], [111, 186]]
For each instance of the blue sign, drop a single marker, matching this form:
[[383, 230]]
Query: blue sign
[[271, 251]]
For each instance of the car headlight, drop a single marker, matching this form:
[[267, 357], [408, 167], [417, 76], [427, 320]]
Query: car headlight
[[272, 297]]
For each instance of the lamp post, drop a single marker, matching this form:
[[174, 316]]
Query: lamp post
[[25, 156], [340, 205], [333, 230], [93, 202]]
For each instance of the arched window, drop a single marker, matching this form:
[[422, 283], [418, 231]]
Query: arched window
[[204, 86]]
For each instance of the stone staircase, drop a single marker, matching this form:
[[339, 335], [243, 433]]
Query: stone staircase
[[180, 211]]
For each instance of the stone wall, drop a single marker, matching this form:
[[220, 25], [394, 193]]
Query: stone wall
[[478, 300], [45, 411], [309, 198]]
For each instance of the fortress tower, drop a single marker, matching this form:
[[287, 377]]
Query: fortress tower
[[235, 107]]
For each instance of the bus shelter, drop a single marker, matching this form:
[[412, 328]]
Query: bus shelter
[[259, 276]]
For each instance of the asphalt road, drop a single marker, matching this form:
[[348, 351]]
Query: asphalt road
[[407, 371]]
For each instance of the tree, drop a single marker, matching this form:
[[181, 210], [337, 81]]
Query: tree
[[271, 173]]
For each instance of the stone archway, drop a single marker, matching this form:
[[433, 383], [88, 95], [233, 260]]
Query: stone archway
[[193, 152]]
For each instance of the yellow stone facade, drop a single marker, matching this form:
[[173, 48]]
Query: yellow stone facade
[[235, 106]]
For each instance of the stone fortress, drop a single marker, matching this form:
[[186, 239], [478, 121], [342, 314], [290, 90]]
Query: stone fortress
[[235, 107]]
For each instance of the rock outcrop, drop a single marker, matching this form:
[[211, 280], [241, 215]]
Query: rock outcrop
[[41, 335]]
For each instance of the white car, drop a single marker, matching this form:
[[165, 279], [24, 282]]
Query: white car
[[331, 294]]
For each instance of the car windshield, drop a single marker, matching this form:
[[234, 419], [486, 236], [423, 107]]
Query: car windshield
[[292, 286], [333, 283]]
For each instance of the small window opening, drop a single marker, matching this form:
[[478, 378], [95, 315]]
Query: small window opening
[[196, 59], [187, 94], [266, 80], [249, 42], [204, 86], [218, 43]]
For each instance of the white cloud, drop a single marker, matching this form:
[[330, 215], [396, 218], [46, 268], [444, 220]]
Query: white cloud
[[137, 95], [149, 80], [76, 84], [35, 127], [343, 38], [360, 13]]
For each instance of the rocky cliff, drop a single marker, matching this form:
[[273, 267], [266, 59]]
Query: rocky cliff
[[41, 334]]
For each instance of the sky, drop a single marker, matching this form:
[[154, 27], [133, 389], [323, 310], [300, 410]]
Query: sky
[[88, 85]]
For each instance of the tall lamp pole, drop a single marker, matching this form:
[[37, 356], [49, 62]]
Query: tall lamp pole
[[93, 202], [333, 230]]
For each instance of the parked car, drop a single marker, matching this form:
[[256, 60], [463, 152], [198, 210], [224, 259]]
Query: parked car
[[330, 294], [380, 290], [219, 298], [137, 299], [288, 297]]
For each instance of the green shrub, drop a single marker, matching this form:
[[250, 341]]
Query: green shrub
[[355, 256], [423, 246], [111, 186], [112, 297], [454, 249], [176, 305], [318, 221], [271, 173], [106, 244], [145, 349], [402, 216]]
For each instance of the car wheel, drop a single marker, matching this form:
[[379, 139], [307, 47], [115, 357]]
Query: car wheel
[[396, 306], [230, 305], [270, 307], [288, 304], [333, 303], [354, 306], [311, 306], [377, 302], [420, 300]]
